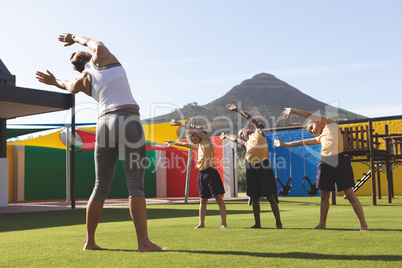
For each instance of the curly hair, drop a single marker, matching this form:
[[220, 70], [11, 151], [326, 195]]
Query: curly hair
[[243, 133], [80, 61], [191, 134]]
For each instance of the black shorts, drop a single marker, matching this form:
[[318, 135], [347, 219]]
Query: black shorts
[[334, 169], [209, 183], [260, 179]]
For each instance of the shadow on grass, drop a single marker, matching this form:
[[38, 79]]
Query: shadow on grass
[[129, 250], [345, 229], [36, 220], [301, 255]]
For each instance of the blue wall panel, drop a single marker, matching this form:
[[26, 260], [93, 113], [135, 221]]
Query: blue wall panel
[[295, 162]]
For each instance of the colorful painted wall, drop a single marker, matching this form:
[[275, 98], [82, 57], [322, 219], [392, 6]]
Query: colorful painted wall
[[298, 161], [39, 173], [44, 169]]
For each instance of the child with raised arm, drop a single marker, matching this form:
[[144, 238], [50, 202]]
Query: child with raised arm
[[209, 180], [260, 178], [333, 167]]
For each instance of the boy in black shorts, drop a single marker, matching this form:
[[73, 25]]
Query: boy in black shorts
[[209, 180], [260, 178], [333, 166]]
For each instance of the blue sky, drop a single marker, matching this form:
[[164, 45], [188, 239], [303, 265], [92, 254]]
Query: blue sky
[[183, 51]]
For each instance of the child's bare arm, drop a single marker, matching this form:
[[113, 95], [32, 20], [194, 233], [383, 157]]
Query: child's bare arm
[[190, 129], [231, 138], [279, 143], [288, 111], [175, 123], [182, 144], [232, 107]]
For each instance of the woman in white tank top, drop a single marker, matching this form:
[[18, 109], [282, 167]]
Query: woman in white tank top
[[103, 78]]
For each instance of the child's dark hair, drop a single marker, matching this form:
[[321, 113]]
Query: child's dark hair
[[191, 134]]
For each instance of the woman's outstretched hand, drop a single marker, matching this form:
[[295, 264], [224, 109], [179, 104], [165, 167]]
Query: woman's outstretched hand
[[66, 38], [48, 79]]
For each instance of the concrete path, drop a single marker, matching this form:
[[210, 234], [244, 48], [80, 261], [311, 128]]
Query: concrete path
[[54, 205]]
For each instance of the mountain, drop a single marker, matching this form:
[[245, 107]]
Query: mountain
[[263, 96]]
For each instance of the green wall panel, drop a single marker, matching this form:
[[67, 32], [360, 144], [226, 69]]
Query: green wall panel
[[45, 175]]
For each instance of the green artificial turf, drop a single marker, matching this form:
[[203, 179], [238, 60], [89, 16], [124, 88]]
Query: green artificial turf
[[56, 239]]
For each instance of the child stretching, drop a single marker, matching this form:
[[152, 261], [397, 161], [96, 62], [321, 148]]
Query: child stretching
[[333, 166], [209, 180], [260, 178]]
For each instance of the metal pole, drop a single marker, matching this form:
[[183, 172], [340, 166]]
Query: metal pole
[[234, 172], [68, 164], [190, 152], [73, 153]]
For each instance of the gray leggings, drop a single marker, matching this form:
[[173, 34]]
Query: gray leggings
[[119, 133]]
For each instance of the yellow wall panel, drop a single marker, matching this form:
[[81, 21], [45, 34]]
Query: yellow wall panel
[[394, 126], [10, 156]]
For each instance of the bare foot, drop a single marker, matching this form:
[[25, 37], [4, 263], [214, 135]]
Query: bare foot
[[320, 227], [224, 226], [255, 226], [199, 226], [279, 226], [364, 228], [90, 247], [150, 247]]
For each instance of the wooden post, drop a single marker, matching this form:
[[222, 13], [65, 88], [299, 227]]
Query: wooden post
[[346, 139], [378, 169], [356, 138], [379, 182], [388, 165], [372, 163]]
